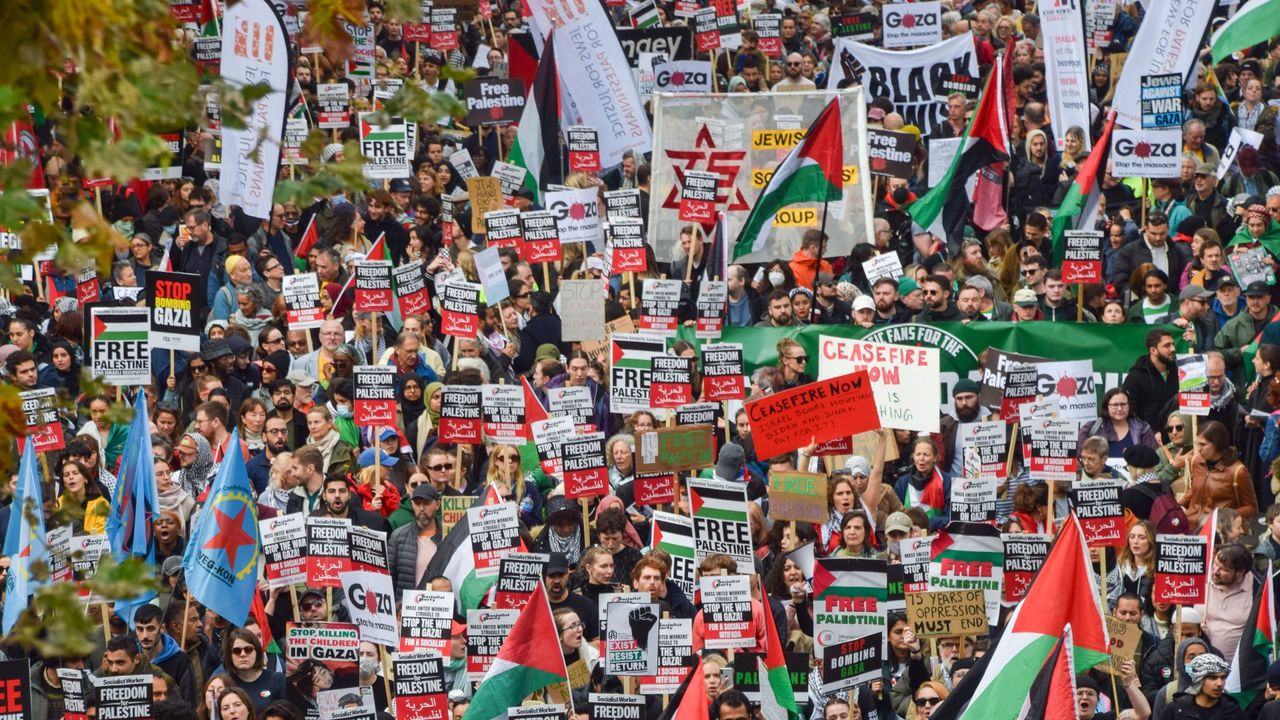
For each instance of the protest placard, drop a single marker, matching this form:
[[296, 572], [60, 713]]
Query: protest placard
[[712, 295], [1193, 385], [1053, 449], [485, 194], [118, 696], [1181, 569], [851, 663], [541, 231], [1161, 101], [1082, 257], [816, 412], [444, 28], [849, 598], [1024, 553], [75, 685], [585, 472], [375, 396], [584, 149], [996, 365], [40, 413], [460, 415], [914, 24], [119, 344], [1097, 505], [502, 228], [370, 599], [726, 608], [175, 299], [460, 309], [410, 283], [328, 550], [385, 148], [582, 310], [419, 686], [631, 370], [671, 384], [284, 549], [988, 439], [798, 496], [706, 29], [493, 101], [973, 499], [452, 509], [503, 414], [698, 197], [368, 549], [722, 371], [626, 245], [548, 436], [720, 523], [969, 556], [883, 265], [675, 657], [622, 205], [768, 29], [616, 707], [630, 644], [947, 613], [333, 106], [1146, 153], [675, 448], [1124, 638], [658, 304], [426, 621], [302, 301], [486, 631], [495, 532], [335, 646], [890, 154], [518, 576], [574, 402], [904, 378], [373, 286]]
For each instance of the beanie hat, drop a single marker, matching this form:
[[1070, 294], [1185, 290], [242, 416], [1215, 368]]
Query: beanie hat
[[906, 286]]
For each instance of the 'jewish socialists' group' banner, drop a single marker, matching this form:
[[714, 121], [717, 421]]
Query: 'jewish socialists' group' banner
[[912, 79], [1109, 346], [741, 138]]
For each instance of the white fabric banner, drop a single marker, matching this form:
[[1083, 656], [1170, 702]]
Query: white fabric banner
[[905, 77], [1065, 66], [255, 49], [594, 71], [1170, 37], [742, 137]]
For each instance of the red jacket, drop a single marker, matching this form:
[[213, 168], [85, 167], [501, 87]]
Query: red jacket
[[390, 498]]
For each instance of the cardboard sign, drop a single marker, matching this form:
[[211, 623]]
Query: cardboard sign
[[798, 496], [658, 307], [768, 28], [40, 412], [1124, 639], [284, 549], [452, 509], [667, 450], [541, 232], [1053, 449], [712, 296], [706, 28], [410, 282], [671, 384], [375, 396], [419, 686], [1097, 505], [119, 344], [486, 631], [502, 228], [722, 372], [904, 378], [518, 576], [302, 301], [1146, 153], [328, 550], [720, 520], [626, 246], [891, 154], [460, 316], [460, 415], [947, 613], [493, 101], [911, 24], [1082, 260], [426, 621], [631, 643], [675, 657], [726, 609], [1161, 100], [820, 411], [698, 197], [1182, 566], [503, 414], [119, 696], [1024, 553], [495, 532], [973, 499], [851, 663], [373, 286], [485, 194], [582, 310], [584, 468], [584, 149]]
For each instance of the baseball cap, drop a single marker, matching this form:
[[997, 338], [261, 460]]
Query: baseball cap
[[1194, 292], [1025, 297], [863, 302], [401, 185], [1257, 288], [1205, 168], [558, 563], [369, 457], [898, 522], [300, 378], [826, 278], [426, 491]]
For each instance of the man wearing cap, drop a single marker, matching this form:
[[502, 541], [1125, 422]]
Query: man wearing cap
[[1205, 698], [411, 547], [222, 361], [1026, 306], [1226, 299], [864, 312], [1240, 331], [1205, 202], [897, 527], [834, 310], [1197, 323], [989, 306]]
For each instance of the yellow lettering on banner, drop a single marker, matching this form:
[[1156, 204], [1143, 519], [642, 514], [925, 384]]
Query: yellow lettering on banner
[[760, 176], [775, 139], [796, 217], [850, 174]]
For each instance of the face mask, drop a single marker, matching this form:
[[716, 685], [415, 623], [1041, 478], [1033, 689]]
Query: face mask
[[125, 227], [895, 547], [901, 195], [776, 279], [172, 230], [368, 666], [343, 410]]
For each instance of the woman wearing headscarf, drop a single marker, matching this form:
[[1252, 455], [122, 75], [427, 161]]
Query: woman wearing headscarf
[[429, 421], [195, 464], [1175, 454], [339, 303], [63, 370], [411, 407]]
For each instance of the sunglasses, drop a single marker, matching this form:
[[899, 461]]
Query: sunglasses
[[1173, 428], [312, 605], [509, 458], [799, 358], [440, 468], [1028, 273], [244, 650], [923, 702], [197, 368]]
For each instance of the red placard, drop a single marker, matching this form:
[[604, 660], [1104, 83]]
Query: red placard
[[87, 289], [654, 488], [1082, 257], [1181, 569], [838, 446], [820, 411], [584, 149], [460, 416], [1097, 505], [328, 551], [373, 286], [706, 29], [417, 32], [698, 197], [460, 310]]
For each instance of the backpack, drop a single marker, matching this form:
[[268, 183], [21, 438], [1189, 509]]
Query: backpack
[[1168, 517]]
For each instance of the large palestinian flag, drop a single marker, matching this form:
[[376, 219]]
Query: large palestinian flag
[[1248, 675], [1080, 206], [523, 665], [455, 560]]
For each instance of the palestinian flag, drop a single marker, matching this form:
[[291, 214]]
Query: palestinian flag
[[1255, 23], [1063, 593], [537, 144], [942, 210], [259, 614], [533, 412], [644, 15], [523, 665], [959, 544], [849, 578], [455, 560], [1253, 657], [1053, 692], [377, 252], [811, 172], [718, 500], [673, 534], [777, 699], [1084, 193], [121, 327], [690, 702], [717, 267], [308, 240]]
